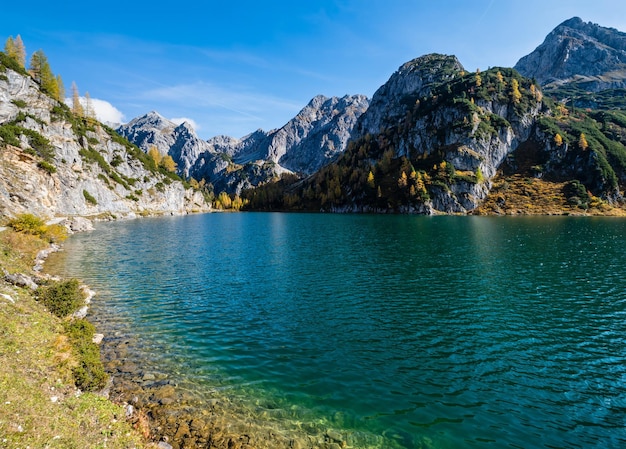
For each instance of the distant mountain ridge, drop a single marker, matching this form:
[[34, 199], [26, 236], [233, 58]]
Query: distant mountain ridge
[[313, 138], [578, 52]]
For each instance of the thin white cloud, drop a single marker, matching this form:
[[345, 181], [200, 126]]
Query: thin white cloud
[[192, 122], [234, 99], [105, 111]]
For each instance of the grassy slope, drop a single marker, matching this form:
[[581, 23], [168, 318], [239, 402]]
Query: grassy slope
[[39, 405], [520, 195]]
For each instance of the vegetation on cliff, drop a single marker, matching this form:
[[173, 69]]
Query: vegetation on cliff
[[372, 176], [387, 173]]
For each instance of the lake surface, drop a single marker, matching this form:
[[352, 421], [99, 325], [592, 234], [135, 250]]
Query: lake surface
[[404, 332]]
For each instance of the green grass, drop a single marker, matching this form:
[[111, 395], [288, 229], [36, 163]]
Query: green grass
[[40, 407]]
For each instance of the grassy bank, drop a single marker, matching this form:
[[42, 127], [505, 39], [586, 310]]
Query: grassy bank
[[40, 405]]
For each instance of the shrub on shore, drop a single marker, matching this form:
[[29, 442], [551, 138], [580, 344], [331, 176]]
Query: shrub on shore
[[62, 298], [89, 375], [31, 224]]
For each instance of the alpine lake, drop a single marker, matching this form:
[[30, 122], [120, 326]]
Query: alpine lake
[[368, 331]]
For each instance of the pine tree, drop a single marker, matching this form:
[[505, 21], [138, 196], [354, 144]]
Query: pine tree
[[60, 88], [516, 95], [154, 153], [41, 72], [37, 60], [402, 180], [9, 47], [479, 175], [14, 48], [20, 51], [168, 163]]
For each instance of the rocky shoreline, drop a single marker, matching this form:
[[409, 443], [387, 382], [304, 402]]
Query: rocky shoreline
[[184, 416], [177, 414]]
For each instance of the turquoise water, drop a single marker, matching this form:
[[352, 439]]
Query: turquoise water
[[442, 331]]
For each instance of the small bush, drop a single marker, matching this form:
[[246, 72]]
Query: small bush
[[116, 161], [19, 103], [89, 198], [33, 225], [47, 166], [28, 224], [89, 375], [55, 233], [62, 298]]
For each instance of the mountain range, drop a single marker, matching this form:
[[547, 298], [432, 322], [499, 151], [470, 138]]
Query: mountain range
[[579, 64], [435, 138], [307, 142]]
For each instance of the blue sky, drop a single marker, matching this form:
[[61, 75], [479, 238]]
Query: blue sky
[[232, 67]]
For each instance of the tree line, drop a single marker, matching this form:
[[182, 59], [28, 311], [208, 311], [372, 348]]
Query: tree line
[[39, 69]]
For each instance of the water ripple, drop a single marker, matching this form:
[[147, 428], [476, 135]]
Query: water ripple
[[457, 331]]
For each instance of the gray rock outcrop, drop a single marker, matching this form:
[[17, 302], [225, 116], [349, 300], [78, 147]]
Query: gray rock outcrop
[[89, 170], [412, 80], [179, 141], [578, 52]]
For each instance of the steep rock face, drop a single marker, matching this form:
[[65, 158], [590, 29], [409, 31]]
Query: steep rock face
[[87, 170], [430, 108], [579, 52], [312, 138], [412, 80], [179, 141], [425, 145]]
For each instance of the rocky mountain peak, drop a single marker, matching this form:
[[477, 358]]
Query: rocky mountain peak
[[580, 52], [179, 141], [415, 78]]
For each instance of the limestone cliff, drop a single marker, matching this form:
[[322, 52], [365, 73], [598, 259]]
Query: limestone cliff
[[55, 164], [179, 141], [431, 141]]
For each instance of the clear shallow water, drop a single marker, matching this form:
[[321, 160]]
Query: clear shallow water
[[450, 331]]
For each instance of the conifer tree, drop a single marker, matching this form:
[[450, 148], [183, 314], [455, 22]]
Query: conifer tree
[[516, 95], [15, 49], [9, 47], [77, 107], [60, 88], [168, 163], [153, 152], [558, 140], [37, 60], [90, 112], [41, 72], [582, 142], [20, 51]]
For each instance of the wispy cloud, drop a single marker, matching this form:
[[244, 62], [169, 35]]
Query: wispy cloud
[[192, 122], [232, 98]]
